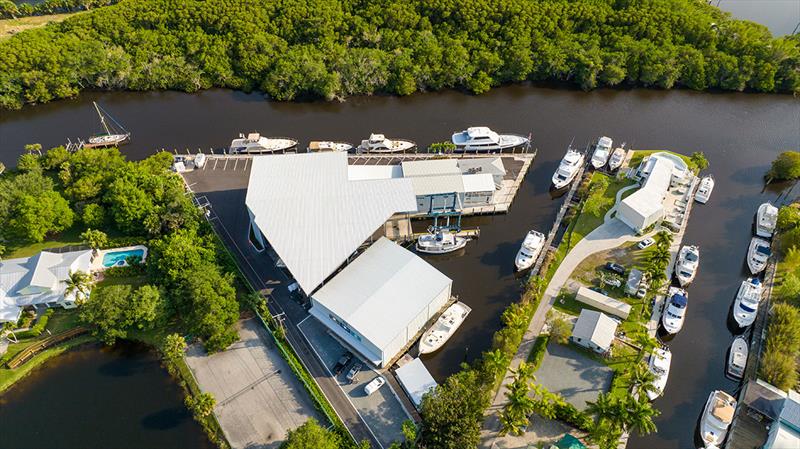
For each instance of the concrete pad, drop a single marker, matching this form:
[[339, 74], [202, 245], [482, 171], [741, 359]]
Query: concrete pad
[[573, 375], [258, 397]]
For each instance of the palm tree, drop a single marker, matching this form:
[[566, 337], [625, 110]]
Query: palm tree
[[495, 362], [660, 256], [603, 408], [663, 239], [78, 283], [646, 344], [640, 379], [514, 417], [640, 414]]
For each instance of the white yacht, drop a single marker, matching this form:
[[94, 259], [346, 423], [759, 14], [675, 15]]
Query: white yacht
[[529, 250], [675, 310], [601, 152], [443, 328], [378, 143], [567, 169], [745, 307], [757, 255], [686, 264], [766, 220], [481, 139], [737, 358], [660, 361], [717, 417], [326, 145], [705, 189], [440, 242], [616, 159], [255, 143]]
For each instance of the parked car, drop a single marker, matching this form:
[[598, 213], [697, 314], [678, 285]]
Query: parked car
[[641, 292], [614, 282], [646, 243], [615, 267], [343, 361], [599, 290], [374, 385], [352, 375]]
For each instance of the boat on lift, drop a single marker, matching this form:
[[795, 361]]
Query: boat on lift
[[660, 361], [737, 358], [378, 143], [255, 143], [617, 158], [705, 189], [444, 328], [675, 310], [111, 137], [326, 145], [481, 139], [529, 250], [745, 306], [686, 264], [758, 254], [601, 152], [440, 242], [717, 418], [766, 220], [568, 168]]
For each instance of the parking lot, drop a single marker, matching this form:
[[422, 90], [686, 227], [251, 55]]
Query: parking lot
[[382, 410], [572, 374]]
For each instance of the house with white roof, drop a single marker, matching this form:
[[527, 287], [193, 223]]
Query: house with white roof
[[380, 302], [594, 330], [39, 280]]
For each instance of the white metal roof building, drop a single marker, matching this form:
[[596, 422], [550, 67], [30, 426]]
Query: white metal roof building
[[380, 301], [594, 330], [416, 380], [645, 206], [313, 215], [493, 166]]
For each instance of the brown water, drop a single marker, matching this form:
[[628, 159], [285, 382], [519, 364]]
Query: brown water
[[101, 398], [740, 134]]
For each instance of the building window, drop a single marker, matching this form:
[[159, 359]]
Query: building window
[[344, 326]]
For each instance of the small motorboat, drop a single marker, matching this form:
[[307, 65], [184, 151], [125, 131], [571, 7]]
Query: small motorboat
[[766, 220], [745, 307], [616, 159], [757, 255], [568, 168], [440, 242], [529, 250], [686, 264], [705, 189], [675, 310], [111, 136], [481, 139], [601, 152], [378, 143], [326, 145], [660, 362], [717, 417], [444, 327], [255, 143], [737, 358]]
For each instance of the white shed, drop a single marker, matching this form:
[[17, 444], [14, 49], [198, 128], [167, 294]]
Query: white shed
[[416, 380], [378, 303], [594, 330], [645, 206], [478, 190], [602, 302]]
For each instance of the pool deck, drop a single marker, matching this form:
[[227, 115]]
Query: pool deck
[[97, 260]]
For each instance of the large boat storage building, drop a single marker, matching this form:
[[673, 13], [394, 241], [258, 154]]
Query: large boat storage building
[[645, 207], [380, 302]]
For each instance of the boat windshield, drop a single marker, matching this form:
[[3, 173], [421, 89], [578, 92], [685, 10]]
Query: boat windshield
[[764, 250], [746, 308], [691, 257]]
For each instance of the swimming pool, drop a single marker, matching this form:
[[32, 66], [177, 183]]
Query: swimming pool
[[117, 258]]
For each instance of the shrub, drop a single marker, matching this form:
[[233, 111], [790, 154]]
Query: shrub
[[37, 328], [785, 167], [779, 369]]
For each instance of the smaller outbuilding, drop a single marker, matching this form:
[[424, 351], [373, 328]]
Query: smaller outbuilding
[[416, 380], [602, 302], [594, 330], [634, 280]]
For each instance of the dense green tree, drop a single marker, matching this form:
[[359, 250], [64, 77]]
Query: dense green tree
[[699, 160], [29, 162], [452, 413], [788, 217], [93, 215], [146, 307], [55, 157], [95, 238], [208, 300], [560, 329], [107, 312], [34, 217], [312, 436], [786, 166]]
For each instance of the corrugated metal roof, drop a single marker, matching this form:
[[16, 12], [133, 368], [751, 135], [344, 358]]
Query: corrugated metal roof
[[596, 327], [313, 216], [649, 198], [430, 167], [492, 166], [478, 183], [380, 292], [365, 172], [439, 184], [415, 379]]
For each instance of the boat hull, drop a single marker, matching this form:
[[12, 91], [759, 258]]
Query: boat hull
[[460, 243], [435, 337], [737, 358], [113, 141]]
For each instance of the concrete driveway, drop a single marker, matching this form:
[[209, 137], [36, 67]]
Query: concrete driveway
[[572, 374], [258, 397]]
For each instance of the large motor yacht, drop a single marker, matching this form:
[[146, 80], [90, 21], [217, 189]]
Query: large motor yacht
[[601, 152], [757, 255], [255, 143], [481, 139], [686, 264], [443, 328], [717, 417], [529, 250], [675, 310], [378, 143], [567, 169], [745, 307], [766, 220]]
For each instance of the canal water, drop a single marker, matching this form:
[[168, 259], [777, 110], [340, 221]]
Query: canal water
[[740, 134], [99, 397]]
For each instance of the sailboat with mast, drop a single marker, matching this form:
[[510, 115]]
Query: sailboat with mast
[[115, 134]]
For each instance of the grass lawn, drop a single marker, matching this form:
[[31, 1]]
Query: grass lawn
[[9, 27], [69, 237], [638, 155]]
